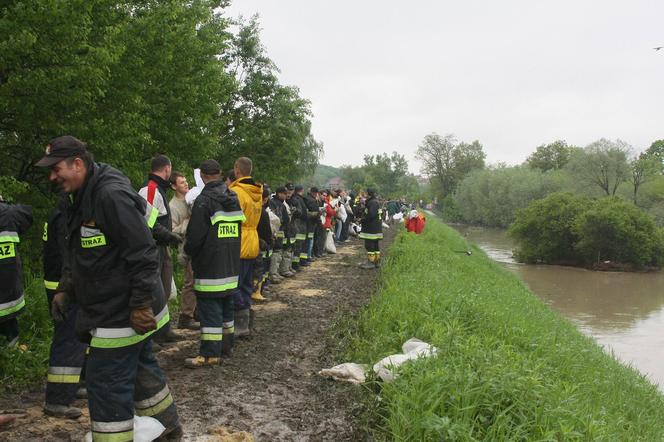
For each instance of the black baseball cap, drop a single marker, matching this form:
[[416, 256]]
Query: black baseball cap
[[210, 167], [290, 186], [298, 188], [313, 190], [61, 148]]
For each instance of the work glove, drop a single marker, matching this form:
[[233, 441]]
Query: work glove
[[59, 307], [142, 320]]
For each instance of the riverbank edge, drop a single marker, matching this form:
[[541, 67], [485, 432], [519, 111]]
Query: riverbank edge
[[508, 367]]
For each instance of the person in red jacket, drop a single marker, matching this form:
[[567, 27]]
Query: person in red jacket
[[415, 222]]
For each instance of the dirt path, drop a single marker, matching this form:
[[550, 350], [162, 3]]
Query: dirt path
[[270, 387]]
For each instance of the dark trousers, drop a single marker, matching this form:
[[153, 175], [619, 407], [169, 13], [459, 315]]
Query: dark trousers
[[66, 359], [344, 229], [372, 245], [216, 315], [124, 381], [320, 235], [9, 329], [245, 285]]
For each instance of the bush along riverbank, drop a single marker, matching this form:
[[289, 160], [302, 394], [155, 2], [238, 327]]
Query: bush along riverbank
[[601, 234], [508, 367]]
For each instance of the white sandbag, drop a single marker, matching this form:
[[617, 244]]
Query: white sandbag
[[386, 368], [418, 348], [329, 243], [146, 429], [385, 225], [346, 372], [398, 216]]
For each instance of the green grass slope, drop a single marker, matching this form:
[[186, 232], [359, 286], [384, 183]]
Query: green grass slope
[[508, 368]]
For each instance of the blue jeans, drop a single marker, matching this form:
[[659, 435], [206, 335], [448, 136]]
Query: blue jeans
[[123, 381], [337, 230], [245, 285]]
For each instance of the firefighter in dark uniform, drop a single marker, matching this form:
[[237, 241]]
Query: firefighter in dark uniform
[[286, 267], [372, 230], [111, 271], [213, 242], [300, 252], [276, 204], [15, 220], [313, 219], [67, 353]]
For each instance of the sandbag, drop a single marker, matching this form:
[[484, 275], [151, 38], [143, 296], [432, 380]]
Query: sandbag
[[329, 243]]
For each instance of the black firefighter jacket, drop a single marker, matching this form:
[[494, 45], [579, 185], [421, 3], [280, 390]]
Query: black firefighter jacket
[[278, 208], [313, 214], [213, 241], [15, 219], [372, 223], [299, 216], [111, 260], [54, 244]]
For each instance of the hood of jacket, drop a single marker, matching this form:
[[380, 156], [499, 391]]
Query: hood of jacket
[[248, 186]]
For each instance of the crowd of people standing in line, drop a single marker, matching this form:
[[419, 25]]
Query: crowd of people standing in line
[[108, 272]]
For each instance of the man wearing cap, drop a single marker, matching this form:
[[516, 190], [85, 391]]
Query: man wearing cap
[[111, 271], [372, 230], [15, 220], [250, 195], [213, 243]]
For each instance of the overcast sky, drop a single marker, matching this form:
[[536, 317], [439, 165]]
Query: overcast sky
[[514, 74]]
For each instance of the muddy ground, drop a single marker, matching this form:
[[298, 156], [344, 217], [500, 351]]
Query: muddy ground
[[269, 389]]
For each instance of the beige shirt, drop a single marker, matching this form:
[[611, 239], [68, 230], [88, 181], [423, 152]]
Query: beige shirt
[[180, 214]]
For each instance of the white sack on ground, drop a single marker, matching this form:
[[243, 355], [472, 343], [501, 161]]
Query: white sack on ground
[[346, 372], [398, 216], [386, 368]]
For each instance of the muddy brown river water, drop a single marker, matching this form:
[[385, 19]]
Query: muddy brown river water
[[623, 311]]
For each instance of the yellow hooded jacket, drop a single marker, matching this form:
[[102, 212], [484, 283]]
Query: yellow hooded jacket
[[250, 195]]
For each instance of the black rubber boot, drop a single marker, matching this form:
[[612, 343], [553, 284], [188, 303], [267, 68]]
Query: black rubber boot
[[227, 344]]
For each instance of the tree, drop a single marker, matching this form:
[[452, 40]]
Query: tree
[[265, 120], [447, 162], [388, 174], [643, 169], [603, 164], [551, 156], [656, 151]]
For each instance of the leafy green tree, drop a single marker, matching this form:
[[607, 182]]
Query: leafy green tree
[[643, 169], [616, 230], [265, 120], [545, 229], [602, 164], [387, 173], [551, 156], [446, 162], [491, 197], [656, 151]]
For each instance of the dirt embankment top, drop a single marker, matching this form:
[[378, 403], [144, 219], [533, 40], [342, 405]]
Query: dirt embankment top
[[269, 388]]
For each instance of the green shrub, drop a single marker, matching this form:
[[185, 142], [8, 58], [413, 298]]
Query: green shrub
[[545, 229], [618, 231]]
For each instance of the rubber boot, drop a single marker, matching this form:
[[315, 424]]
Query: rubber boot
[[252, 319], [284, 265], [62, 411], [274, 267], [242, 323], [369, 264], [256, 295], [227, 344]]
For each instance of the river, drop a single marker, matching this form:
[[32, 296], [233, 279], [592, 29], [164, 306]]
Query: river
[[623, 311]]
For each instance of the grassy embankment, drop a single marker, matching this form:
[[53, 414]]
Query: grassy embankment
[[509, 368]]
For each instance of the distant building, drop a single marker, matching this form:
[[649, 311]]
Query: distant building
[[335, 183]]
